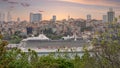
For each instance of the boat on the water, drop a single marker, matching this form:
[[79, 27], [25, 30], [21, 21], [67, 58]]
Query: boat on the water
[[44, 44]]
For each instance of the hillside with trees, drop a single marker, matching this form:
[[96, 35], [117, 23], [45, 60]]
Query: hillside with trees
[[106, 54]]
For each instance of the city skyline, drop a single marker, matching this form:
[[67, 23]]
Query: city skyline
[[60, 8]]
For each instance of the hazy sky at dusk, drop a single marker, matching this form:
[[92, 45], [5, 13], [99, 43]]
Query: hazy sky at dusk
[[60, 8]]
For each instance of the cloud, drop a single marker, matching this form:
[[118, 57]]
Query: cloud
[[16, 2], [12, 7], [12, 2], [25, 4], [4, 0], [41, 11], [109, 3]]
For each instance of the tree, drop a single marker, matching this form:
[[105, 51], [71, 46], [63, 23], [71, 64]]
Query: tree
[[108, 54], [15, 39], [3, 60]]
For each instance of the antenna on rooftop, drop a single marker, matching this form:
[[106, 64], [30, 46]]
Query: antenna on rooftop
[[68, 16]]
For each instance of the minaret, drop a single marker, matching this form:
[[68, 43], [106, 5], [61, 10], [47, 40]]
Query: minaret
[[68, 17], [18, 20]]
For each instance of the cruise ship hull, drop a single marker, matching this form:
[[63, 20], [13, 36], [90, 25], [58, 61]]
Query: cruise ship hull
[[52, 43]]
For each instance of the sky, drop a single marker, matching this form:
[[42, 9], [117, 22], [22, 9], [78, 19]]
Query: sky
[[61, 8]]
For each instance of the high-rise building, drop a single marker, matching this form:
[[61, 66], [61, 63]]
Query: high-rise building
[[35, 17], [54, 18], [2, 17], [9, 17], [31, 17], [105, 19], [89, 17], [29, 30], [111, 15]]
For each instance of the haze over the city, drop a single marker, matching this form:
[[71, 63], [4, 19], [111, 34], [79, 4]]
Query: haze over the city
[[60, 8]]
